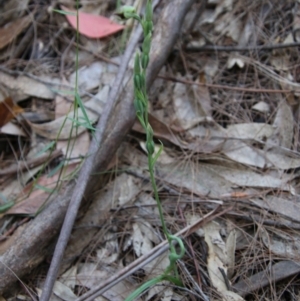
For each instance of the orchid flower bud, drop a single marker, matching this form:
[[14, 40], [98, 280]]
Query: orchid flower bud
[[127, 12], [137, 64], [147, 44], [149, 11]]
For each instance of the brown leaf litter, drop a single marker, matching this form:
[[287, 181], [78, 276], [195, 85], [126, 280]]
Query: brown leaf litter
[[225, 106]]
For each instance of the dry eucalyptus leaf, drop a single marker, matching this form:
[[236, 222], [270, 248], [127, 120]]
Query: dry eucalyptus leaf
[[281, 244], [202, 94], [216, 255], [254, 131], [22, 87], [12, 129], [69, 277], [283, 127], [288, 208], [240, 152], [281, 159], [141, 243], [63, 292], [245, 177], [109, 253], [197, 178], [218, 259], [88, 76], [90, 276], [162, 290], [230, 247]]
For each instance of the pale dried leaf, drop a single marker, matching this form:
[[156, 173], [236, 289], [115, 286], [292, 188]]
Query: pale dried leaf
[[214, 262], [287, 208], [165, 293], [230, 247], [199, 179], [23, 86], [127, 190], [63, 292], [88, 76], [141, 243], [231, 296], [75, 147], [147, 206], [225, 5], [143, 237], [211, 67], [235, 61], [68, 278], [231, 27], [280, 60], [186, 109], [255, 131], [248, 178], [239, 151], [12, 129], [110, 252], [192, 219], [183, 109], [261, 106], [90, 277], [157, 266], [283, 127], [218, 258], [282, 159], [202, 95], [281, 244]]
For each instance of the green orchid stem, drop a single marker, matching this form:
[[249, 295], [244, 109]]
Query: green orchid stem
[[141, 106], [160, 210]]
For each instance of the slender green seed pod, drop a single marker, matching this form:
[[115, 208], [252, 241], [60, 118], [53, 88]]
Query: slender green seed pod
[[145, 61], [137, 81], [147, 44], [150, 147], [137, 64], [149, 11], [140, 95], [149, 134], [148, 27], [143, 82], [138, 106], [149, 140]]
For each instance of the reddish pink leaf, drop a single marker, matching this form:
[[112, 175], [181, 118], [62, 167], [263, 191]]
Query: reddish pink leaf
[[93, 26]]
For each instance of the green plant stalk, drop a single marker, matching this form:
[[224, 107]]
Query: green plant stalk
[[141, 106], [76, 122]]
